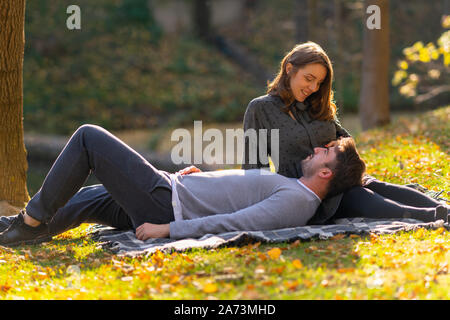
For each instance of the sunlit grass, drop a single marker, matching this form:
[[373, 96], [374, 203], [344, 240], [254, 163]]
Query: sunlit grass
[[406, 265]]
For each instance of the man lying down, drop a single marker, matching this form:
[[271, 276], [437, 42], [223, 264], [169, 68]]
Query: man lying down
[[155, 204]]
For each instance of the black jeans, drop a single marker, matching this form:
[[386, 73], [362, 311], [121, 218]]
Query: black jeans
[[132, 190], [380, 200]]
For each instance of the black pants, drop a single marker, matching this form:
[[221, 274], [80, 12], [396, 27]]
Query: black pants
[[132, 191], [380, 200]]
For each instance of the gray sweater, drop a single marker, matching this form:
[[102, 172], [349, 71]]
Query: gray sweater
[[231, 200]]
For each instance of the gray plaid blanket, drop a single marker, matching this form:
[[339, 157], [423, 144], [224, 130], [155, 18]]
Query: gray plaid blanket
[[126, 243]]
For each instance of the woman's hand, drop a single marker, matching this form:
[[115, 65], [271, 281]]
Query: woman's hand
[[331, 144], [189, 170], [150, 230]]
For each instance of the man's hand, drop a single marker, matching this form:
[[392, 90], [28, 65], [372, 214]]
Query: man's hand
[[150, 230], [189, 170]]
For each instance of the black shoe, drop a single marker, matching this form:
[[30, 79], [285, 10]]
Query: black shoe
[[19, 233], [441, 213]]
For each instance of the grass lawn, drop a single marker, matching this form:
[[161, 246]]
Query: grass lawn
[[409, 265]]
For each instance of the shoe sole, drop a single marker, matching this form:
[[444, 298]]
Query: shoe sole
[[29, 242]]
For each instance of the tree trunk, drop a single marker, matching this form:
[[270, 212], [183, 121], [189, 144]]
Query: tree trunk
[[374, 95], [13, 161], [338, 49], [301, 20], [313, 23], [202, 19]]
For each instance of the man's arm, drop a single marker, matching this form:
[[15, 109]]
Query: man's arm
[[283, 209]]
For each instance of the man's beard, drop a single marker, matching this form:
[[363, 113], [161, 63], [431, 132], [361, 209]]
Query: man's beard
[[307, 167]]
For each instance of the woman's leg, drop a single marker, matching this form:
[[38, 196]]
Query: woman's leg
[[362, 202], [402, 194], [133, 183]]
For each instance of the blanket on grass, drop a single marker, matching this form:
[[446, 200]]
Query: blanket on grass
[[126, 243]]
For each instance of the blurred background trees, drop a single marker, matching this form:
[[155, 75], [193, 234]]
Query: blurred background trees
[[164, 63]]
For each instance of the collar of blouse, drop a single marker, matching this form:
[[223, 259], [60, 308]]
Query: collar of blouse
[[302, 107]]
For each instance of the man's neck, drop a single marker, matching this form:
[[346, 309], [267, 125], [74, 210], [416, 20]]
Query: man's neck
[[314, 186]]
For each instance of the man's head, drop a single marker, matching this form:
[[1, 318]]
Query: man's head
[[339, 166]]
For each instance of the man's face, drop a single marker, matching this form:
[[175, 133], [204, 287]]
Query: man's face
[[315, 162]]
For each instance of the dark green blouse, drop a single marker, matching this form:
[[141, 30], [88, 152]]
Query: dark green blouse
[[297, 140]]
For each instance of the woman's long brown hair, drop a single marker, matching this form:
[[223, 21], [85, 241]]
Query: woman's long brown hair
[[322, 104]]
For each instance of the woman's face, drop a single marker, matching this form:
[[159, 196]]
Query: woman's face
[[307, 80]]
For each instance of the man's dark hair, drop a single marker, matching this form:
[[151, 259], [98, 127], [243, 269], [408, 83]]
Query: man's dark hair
[[348, 168]]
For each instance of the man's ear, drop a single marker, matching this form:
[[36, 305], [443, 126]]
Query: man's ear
[[325, 173]]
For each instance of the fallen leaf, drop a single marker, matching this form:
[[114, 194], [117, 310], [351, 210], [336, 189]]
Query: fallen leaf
[[250, 294], [311, 249], [297, 264], [210, 288], [174, 279], [291, 285], [274, 253], [338, 236], [126, 278], [324, 283], [295, 244], [267, 283], [346, 270], [260, 269], [308, 283], [262, 256], [279, 270]]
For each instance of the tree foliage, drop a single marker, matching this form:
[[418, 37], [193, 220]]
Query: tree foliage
[[425, 68]]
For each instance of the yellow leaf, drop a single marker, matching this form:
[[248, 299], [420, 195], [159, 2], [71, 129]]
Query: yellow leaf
[[420, 233], [297, 264], [346, 270], [274, 253], [418, 45], [403, 65], [210, 288]]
